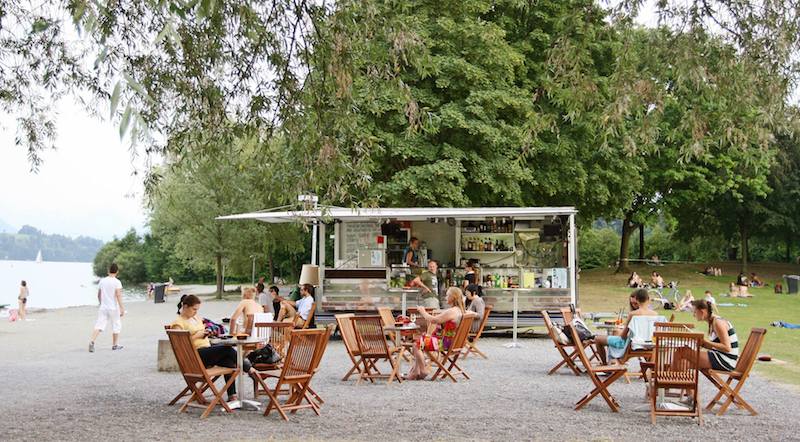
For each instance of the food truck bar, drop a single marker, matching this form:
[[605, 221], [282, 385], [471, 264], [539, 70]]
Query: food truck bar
[[529, 252]]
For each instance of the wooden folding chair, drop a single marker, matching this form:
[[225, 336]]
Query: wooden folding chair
[[675, 366], [373, 347], [310, 317], [473, 337], [199, 378], [350, 343], [448, 366], [296, 374], [567, 351], [727, 389], [186, 390], [647, 365], [600, 386], [247, 327], [279, 334], [388, 320]]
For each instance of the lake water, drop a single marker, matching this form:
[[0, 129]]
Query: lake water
[[54, 284]]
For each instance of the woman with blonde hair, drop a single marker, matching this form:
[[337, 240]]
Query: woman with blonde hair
[[446, 323]]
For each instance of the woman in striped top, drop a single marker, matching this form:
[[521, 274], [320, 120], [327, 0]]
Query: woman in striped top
[[721, 352]]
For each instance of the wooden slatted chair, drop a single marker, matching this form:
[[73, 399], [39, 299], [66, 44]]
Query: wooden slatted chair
[[727, 389], [388, 319], [296, 374], [278, 334], [600, 386], [186, 390], [647, 365], [199, 378], [671, 371], [350, 341], [373, 348], [567, 351], [310, 317], [567, 317], [474, 337], [447, 360]]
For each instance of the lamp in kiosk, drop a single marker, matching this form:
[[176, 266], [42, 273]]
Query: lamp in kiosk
[[309, 275]]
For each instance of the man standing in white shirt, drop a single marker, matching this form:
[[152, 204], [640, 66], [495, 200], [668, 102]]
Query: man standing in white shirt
[[109, 294]]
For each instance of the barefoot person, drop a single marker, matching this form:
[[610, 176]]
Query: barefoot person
[[297, 312], [109, 293], [23, 300], [447, 322]]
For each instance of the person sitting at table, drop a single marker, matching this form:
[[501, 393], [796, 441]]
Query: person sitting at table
[[446, 323], [210, 355], [616, 343], [247, 306], [297, 312], [274, 293], [264, 299], [475, 296], [721, 351]]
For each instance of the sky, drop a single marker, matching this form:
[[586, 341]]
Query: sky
[[84, 187]]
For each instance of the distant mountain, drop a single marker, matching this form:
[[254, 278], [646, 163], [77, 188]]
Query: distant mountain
[[6, 227], [25, 244]]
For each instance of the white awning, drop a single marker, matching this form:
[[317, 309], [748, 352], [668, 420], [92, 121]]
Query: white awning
[[400, 213]]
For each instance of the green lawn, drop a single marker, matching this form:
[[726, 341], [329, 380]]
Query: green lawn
[[602, 290]]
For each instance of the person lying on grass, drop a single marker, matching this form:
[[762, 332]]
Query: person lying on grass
[[616, 343]]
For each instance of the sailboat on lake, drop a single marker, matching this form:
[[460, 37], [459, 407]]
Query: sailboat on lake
[[39, 257]]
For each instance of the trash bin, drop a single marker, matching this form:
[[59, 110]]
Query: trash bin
[[792, 283], [158, 293]]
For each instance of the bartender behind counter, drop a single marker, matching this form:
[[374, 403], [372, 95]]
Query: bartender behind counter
[[411, 255], [431, 284]]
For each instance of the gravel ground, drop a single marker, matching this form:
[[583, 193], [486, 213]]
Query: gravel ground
[[56, 390]]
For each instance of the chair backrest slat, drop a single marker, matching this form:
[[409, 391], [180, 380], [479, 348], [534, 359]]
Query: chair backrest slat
[[462, 332], [185, 353], [674, 326], [566, 313], [484, 320], [310, 317], [348, 333], [750, 352], [278, 334], [388, 318], [668, 344], [370, 336], [300, 358]]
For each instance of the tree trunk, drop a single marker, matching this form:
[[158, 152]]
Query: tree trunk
[[788, 257], [745, 249], [220, 281], [271, 269], [641, 241], [627, 230]]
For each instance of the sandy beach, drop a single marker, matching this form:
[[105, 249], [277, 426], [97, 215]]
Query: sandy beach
[[56, 390]]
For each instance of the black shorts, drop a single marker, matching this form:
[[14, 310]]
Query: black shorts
[[24, 300]]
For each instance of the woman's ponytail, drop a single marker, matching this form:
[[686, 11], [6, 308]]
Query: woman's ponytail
[[180, 303]]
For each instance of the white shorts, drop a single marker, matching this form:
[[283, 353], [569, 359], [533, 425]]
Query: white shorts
[[104, 317]]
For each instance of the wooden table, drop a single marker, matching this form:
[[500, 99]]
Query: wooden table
[[244, 404], [398, 331]]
